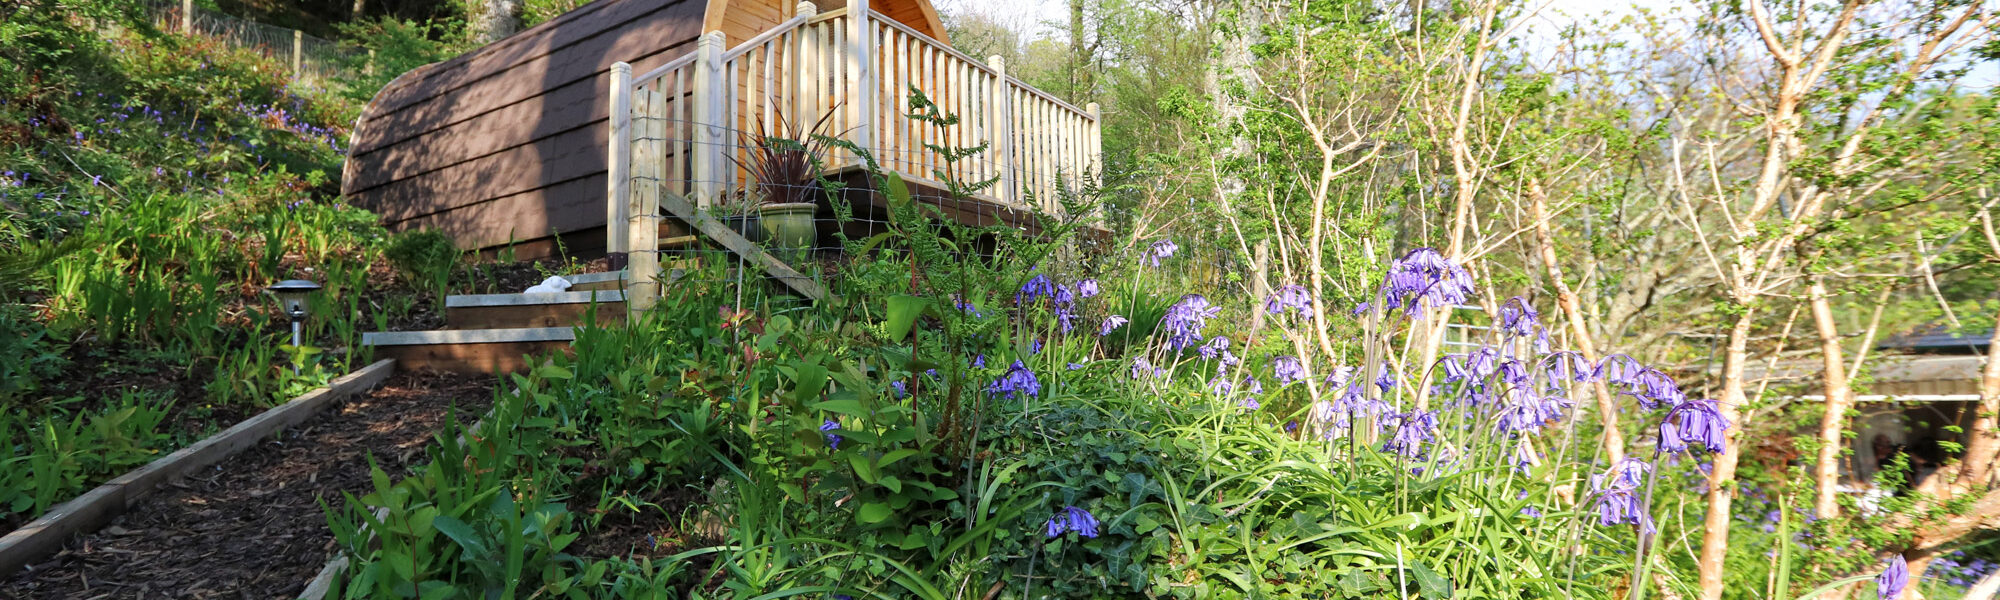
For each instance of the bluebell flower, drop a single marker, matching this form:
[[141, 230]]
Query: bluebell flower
[[1695, 422], [1339, 377], [1251, 386], [1142, 368], [965, 307], [832, 439], [1386, 379], [1034, 347], [1087, 288], [1567, 366], [1524, 457], [1073, 519], [1017, 380], [1036, 287], [1185, 319], [902, 390], [1075, 366], [1889, 585], [1215, 348], [1250, 403], [1629, 472], [979, 362], [1423, 278], [1221, 385], [1292, 297], [1110, 323], [1412, 430], [1287, 369], [1160, 249], [1622, 506]]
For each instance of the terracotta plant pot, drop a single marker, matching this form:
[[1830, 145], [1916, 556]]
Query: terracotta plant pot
[[788, 228]]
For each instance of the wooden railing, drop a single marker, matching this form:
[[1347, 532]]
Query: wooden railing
[[678, 125], [683, 127]]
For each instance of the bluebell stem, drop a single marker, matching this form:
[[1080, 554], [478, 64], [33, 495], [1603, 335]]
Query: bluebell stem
[[1185, 319], [1017, 380], [832, 439], [1292, 297], [1159, 250], [1110, 323], [1696, 422], [1287, 369]]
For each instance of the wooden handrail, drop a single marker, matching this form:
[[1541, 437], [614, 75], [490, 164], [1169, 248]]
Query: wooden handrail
[[947, 49]]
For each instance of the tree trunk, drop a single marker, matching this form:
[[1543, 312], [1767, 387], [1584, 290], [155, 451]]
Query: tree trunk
[[1833, 420], [1722, 474], [1572, 309], [501, 18], [1976, 471]]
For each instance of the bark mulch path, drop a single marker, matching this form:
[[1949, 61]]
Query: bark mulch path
[[251, 526]]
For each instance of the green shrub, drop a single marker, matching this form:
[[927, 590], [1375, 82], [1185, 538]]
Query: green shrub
[[425, 257]]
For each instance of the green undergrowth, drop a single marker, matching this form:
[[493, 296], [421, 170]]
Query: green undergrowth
[[151, 185]]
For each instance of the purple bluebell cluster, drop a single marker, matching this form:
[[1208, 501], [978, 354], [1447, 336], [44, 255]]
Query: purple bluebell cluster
[[1142, 368], [1161, 249], [1618, 496], [1425, 279], [1185, 320], [1959, 570], [1039, 286], [1287, 369], [1293, 297], [1518, 318], [1071, 518], [902, 389], [1087, 288], [1694, 423], [832, 439], [1017, 380], [1410, 431]]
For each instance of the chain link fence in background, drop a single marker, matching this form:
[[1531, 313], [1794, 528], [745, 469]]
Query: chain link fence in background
[[314, 61]]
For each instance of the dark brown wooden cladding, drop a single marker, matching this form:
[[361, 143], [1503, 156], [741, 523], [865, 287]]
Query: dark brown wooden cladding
[[506, 144]]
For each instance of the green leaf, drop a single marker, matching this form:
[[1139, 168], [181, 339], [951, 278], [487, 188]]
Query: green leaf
[[903, 313], [808, 381], [1429, 583], [872, 513], [863, 468], [895, 455], [850, 408], [462, 533]]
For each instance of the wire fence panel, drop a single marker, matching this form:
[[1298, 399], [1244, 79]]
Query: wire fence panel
[[313, 61]]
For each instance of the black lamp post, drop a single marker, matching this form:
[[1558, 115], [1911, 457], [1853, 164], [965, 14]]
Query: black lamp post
[[291, 295]]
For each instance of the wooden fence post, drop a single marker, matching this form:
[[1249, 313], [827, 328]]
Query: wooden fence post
[[1003, 130], [298, 53], [642, 273], [711, 144], [187, 17], [861, 73], [1093, 157], [618, 173]]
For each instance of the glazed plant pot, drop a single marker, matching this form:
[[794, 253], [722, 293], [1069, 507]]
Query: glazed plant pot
[[788, 228]]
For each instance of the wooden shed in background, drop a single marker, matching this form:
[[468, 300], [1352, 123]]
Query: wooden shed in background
[[507, 144]]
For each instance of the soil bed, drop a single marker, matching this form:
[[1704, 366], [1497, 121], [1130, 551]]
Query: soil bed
[[251, 527]]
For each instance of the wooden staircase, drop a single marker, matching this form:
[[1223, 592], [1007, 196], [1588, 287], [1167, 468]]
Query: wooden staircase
[[489, 333]]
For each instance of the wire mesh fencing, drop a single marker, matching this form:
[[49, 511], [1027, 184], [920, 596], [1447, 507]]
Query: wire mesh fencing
[[313, 61]]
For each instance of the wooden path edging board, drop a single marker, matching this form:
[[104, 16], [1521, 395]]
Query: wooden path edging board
[[91, 510], [720, 234]]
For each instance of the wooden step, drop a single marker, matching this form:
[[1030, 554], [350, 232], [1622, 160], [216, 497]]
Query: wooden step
[[606, 280], [507, 311], [473, 351]]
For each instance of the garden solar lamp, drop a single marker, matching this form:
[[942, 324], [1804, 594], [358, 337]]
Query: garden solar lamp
[[291, 295]]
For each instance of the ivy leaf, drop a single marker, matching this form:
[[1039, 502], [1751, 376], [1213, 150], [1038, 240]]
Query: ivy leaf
[[1429, 583], [872, 513]]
